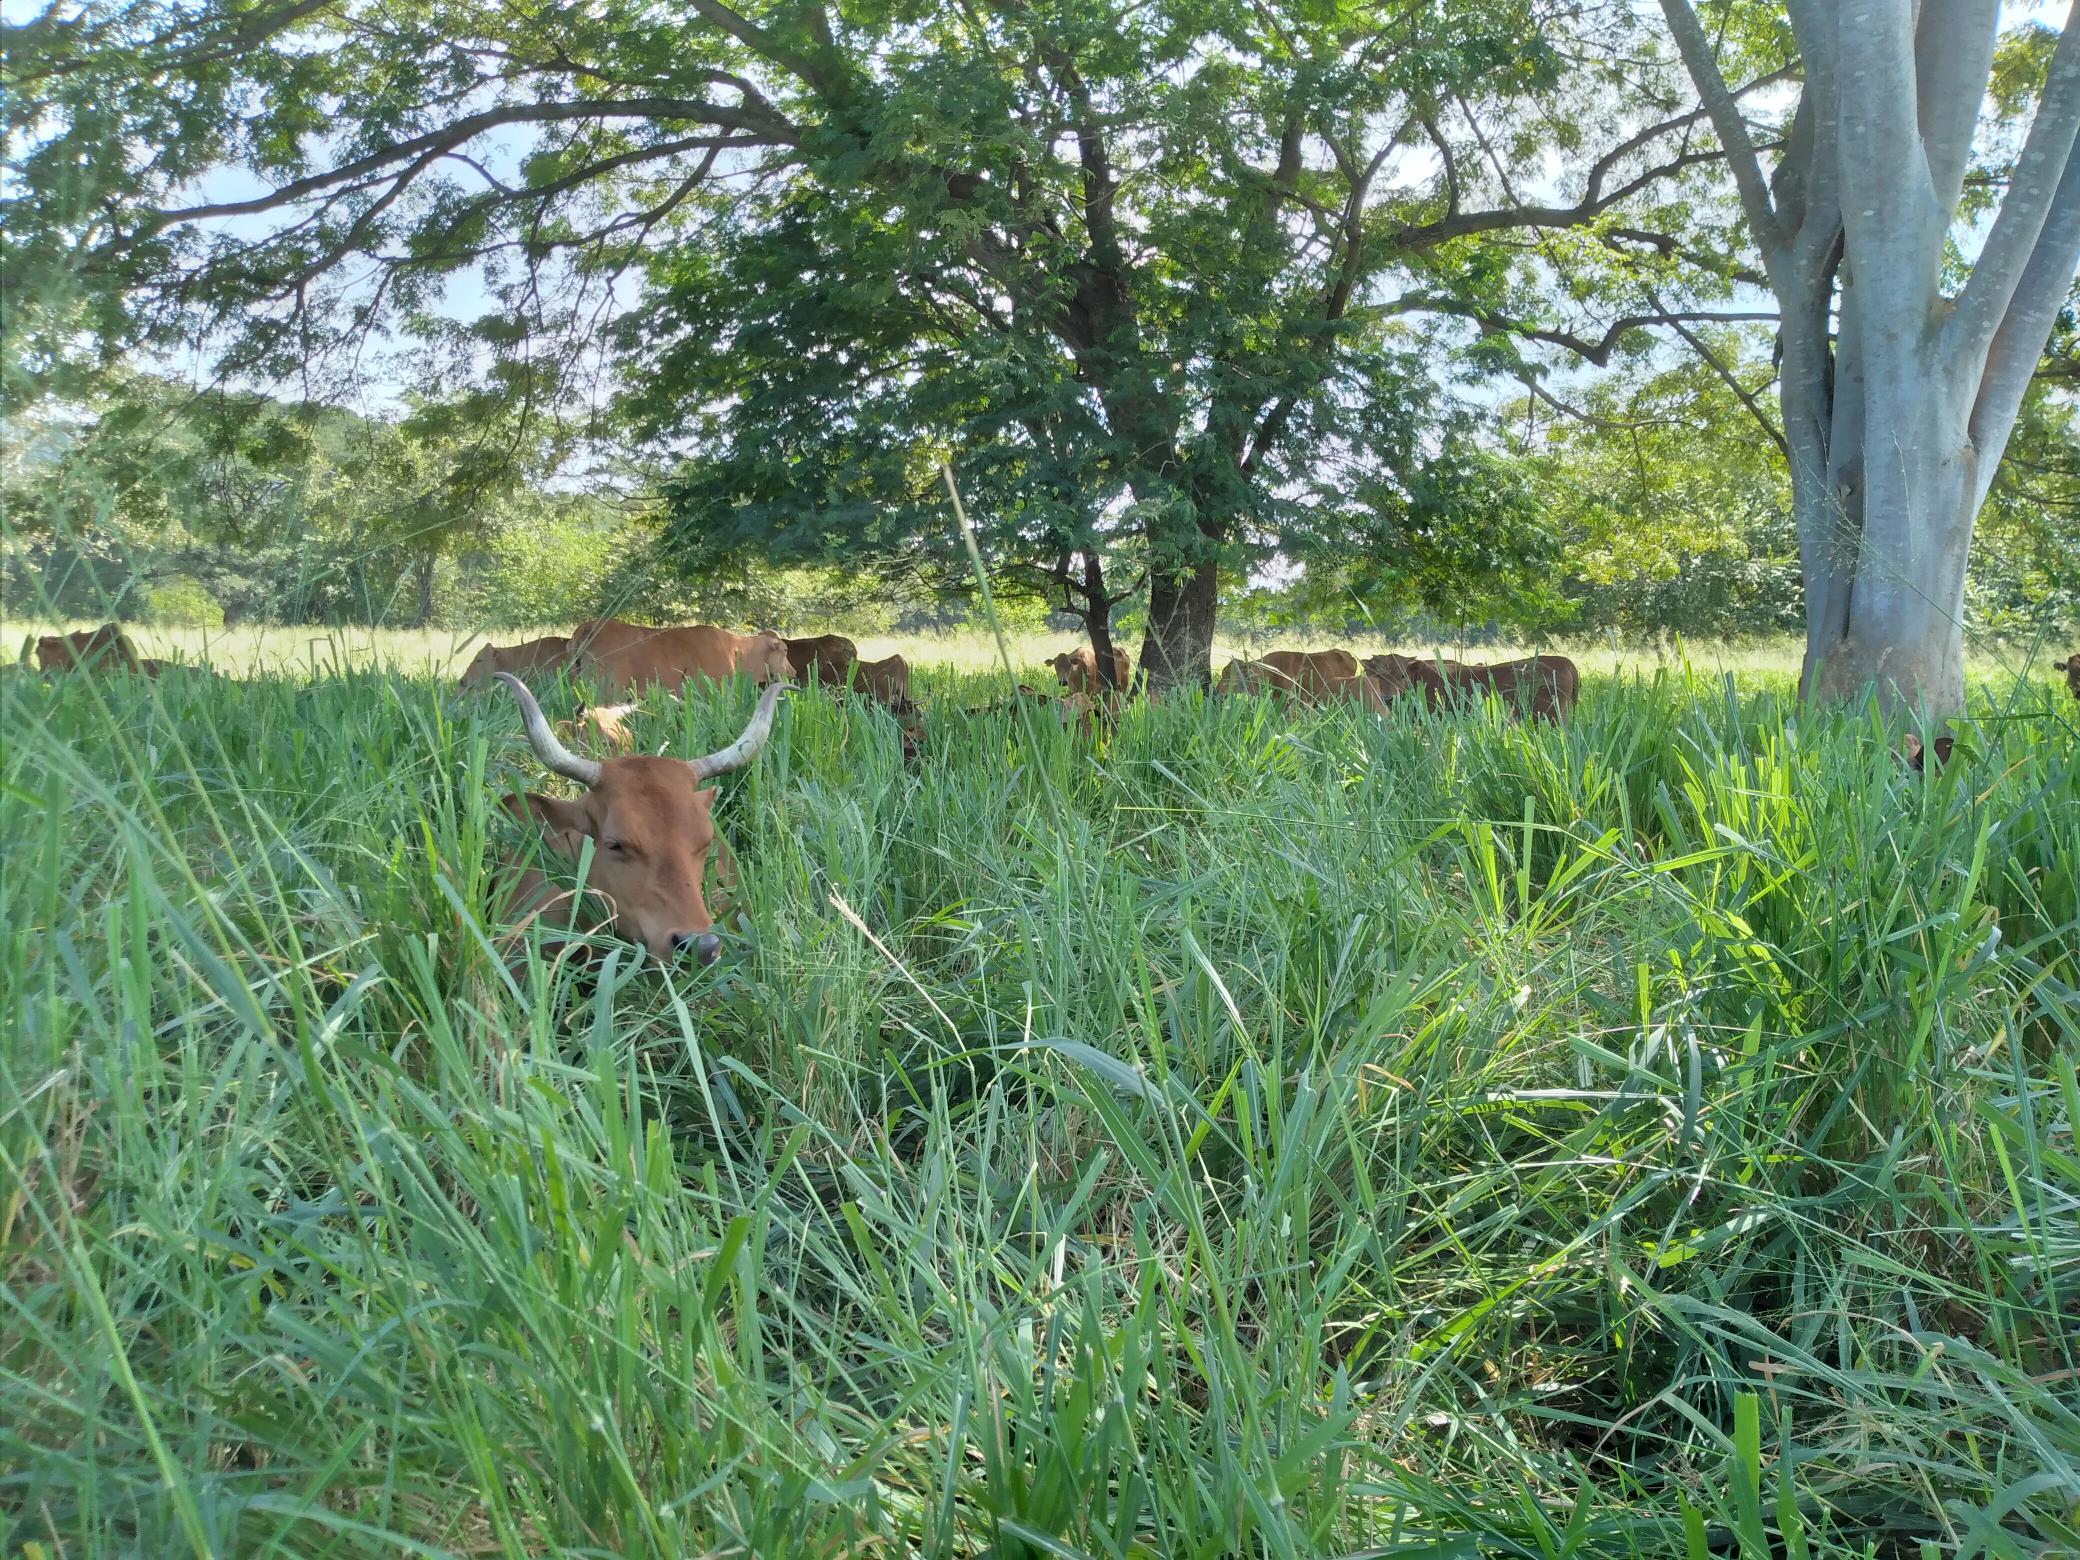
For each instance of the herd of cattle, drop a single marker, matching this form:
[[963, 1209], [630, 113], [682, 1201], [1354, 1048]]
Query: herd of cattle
[[648, 821]]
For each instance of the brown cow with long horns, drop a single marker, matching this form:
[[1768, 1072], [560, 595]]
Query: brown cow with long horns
[[651, 822]]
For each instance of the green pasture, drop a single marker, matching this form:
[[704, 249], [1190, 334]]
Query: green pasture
[[1247, 1133]]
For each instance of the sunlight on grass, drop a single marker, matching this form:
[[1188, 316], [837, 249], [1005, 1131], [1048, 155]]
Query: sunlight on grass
[[1246, 1132]]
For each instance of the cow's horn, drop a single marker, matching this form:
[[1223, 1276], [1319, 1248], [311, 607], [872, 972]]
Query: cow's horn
[[745, 748], [555, 757]]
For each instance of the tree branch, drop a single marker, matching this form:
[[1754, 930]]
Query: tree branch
[[1469, 223], [1725, 113], [2012, 359], [1888, 196], [1597, 350], [1953, 59], [450, 136], [2041, 180], [1727, 377]]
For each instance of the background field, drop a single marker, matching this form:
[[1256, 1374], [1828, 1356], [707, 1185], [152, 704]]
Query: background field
[[1245, 1134], [307, 652]]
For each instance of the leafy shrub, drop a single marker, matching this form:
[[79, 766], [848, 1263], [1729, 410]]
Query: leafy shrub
[[183, 602]]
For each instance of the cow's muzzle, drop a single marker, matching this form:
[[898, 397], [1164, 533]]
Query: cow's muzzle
[[706, 946]]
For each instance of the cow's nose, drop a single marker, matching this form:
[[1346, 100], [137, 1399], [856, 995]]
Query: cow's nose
[[707, 947]]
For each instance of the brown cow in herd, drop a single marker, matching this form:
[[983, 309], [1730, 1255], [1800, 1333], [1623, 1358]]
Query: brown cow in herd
[[537, 655], [652, 827], [1077, 670], [822, 658], [1548, 685], [1312, 677], [886, 681], [624, 657], [103, 649]]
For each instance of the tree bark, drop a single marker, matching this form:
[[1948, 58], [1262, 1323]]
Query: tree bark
[[1894, 427], [424, 570], [1097, 620], [1177, 649], [1896, 625]]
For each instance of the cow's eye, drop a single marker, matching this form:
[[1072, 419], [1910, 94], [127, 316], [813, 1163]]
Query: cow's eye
[[615, 847]]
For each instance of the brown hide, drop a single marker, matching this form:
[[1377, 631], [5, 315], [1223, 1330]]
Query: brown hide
[[1550, 684], [103, 649], [885, 681], [625, 657], [822, 658], [1077, 670], [537, 655], [1315, 675], [2073, 675]]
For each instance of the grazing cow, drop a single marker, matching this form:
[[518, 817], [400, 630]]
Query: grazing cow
[[1251, 677], [625, 657], [2073, 675], [606, 724], [1550, 684], [823, 658], [1315, 675], [1393, 676], [1428, 678], [103, 649], [1915, 757], [1077, 670], [651, 823], [1246, 677], [537, 655], [1310, 676], [885, 682]]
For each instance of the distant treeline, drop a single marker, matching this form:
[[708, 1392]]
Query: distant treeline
[[1662, 508]]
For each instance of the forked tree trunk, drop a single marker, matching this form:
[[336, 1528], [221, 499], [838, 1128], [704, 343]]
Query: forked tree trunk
[[1895, 425]]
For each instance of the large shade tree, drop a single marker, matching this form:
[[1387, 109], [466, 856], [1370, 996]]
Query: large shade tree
[[1162, 244], [1914, 310]]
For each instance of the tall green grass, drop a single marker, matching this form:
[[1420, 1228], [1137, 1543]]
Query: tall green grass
[[1248, 1133]]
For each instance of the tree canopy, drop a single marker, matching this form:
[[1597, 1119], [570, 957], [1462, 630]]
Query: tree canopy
[[1181, 290], [1164, 274]]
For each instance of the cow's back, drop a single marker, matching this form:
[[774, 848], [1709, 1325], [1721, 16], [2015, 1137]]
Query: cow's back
[[1547, 684], [1314, 674], [625, 657], [886, 681], [822, 658], [106, 648]]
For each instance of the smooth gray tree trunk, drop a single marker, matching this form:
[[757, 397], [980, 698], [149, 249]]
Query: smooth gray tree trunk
[[1898, 396]]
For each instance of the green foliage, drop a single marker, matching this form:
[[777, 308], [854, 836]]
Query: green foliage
[[1163, 281], [1667, 500], [184, 601], [1252, 1134], [293, 512]]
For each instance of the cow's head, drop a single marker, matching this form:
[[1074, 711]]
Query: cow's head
[[651, 824], [766, 658], [2073, 675], [1391, 674], [1076, 670]]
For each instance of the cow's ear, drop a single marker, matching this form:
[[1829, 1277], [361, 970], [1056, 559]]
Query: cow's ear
[[564, 821]]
